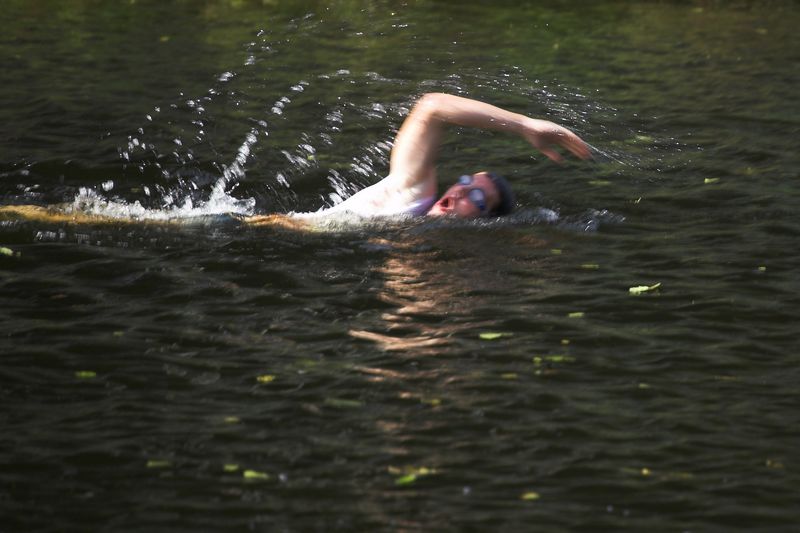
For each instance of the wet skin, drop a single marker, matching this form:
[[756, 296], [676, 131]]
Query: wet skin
[[456, 202]]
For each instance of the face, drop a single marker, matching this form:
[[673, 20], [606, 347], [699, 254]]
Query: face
[[471, 197]]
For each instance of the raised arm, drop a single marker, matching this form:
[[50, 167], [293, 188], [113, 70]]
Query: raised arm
[[417, 143]]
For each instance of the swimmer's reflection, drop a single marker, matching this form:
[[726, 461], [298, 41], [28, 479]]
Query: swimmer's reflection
[[443, 287]]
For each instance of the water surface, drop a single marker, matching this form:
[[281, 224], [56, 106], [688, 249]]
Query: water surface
[[403, 375]]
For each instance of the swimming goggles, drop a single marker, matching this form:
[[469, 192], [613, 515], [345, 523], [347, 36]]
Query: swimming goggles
[[476, 195]]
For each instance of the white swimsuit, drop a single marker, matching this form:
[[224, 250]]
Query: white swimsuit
[[383, 199]]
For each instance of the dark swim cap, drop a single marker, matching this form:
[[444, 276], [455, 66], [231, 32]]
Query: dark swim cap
[[507, 202]]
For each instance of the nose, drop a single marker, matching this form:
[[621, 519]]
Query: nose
[[450, 198]]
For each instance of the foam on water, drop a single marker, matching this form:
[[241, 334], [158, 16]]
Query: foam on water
[[89, 201]]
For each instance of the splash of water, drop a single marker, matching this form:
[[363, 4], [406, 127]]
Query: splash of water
[[190, 196], [90, 201]]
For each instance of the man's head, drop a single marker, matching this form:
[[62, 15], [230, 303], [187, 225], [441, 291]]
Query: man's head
[[478, 195]]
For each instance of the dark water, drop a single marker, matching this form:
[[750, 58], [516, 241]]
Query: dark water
[[214, 377]]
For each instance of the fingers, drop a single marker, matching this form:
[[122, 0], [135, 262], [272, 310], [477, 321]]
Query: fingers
[[579, 150], [552, 154], [568, 140], [554, 135], [571, 142], [546, 148], [576, 145]]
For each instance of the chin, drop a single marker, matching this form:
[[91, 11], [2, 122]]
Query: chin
[[450, 214]]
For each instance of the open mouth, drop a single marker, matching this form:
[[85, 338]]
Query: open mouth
[[446, 203]]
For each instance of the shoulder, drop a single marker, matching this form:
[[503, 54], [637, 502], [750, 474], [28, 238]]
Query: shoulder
[[392, 196]]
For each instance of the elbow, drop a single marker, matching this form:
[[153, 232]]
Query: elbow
[[430, 102], [432, 98]]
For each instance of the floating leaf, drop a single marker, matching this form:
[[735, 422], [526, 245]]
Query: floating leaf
[[9, 252], [255, 475], [158, 463], [410, 474], [643, 386], [231, 420], [509, 375], [762, 269], [539, 359], [556, 251], [560, 358], [343, 404], [85, 374], [406, 480], [661, 476], [490, 335], [772, 463], [577, 314], [230, 468], [643, 288], [530, 496], [646, 139], [748, 171], [590, 266], [599, 183], [433, 402], [266, 378], [709, 181]]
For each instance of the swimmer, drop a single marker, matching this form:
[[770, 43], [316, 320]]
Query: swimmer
[[411, 186]]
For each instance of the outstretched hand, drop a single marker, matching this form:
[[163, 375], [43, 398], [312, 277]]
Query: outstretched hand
[[545, 135], [416, 146]]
